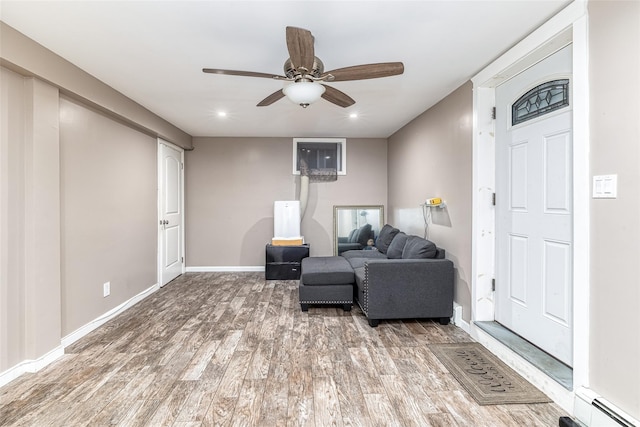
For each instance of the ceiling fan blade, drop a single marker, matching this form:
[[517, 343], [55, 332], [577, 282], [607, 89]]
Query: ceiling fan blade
[[300, 46], [367, 71], [337, 97], [275, 96], [241, 73]]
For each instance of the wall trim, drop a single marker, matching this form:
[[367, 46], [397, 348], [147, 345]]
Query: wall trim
[[458, 320], [224, 269], [31, 365], [99, 321]]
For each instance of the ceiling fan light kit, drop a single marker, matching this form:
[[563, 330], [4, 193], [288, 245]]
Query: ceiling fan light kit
[[305, 71], [304, 93]]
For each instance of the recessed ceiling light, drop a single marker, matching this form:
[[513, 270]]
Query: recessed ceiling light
[[222, 114], [353, 115]]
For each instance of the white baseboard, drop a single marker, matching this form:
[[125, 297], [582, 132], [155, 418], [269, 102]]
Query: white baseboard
[[30, 365], [457, 319], [593, 410], [223, 269], [84, 330]]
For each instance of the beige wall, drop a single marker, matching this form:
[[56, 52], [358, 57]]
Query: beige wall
[[231, 184], [614, 68], [431, 157], [109, 213], [78, 207], [11, 213], [77, 198], [29, 218]]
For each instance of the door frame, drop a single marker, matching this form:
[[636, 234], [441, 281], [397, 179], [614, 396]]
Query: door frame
[[568, 26], [159, 210]]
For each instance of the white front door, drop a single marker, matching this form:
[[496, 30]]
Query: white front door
[[534, 193], [170, 189]]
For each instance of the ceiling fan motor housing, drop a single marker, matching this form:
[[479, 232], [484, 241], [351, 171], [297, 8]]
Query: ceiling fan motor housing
[[309, 75]]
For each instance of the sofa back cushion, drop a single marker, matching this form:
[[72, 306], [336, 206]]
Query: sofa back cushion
[[385, 237], [394, 251], [418, 248], [364, 234]]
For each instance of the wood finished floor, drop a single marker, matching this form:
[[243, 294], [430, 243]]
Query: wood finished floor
[[233, 349]]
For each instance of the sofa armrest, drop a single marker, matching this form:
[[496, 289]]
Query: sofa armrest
[[407, 288]]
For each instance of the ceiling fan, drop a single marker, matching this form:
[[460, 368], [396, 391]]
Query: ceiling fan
[[306, 72]]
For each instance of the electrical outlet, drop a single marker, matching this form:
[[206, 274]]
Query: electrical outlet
[[106, 289]]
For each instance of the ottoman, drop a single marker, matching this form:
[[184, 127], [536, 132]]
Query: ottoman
[[326, 280]]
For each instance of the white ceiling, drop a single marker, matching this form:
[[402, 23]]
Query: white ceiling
[[154, 51]]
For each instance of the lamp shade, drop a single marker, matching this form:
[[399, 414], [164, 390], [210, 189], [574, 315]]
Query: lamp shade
[[304, 93]]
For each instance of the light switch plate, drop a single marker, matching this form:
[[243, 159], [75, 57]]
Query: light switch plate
[[605, 186]]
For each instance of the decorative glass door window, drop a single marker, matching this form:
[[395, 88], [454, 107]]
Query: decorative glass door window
[[540, 100]]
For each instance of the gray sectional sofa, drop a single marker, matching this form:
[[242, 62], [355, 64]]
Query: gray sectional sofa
[[403, 277]]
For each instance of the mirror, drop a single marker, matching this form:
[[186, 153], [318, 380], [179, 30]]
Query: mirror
[[356, 227]]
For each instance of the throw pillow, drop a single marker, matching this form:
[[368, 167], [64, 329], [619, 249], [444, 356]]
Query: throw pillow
[[418, 248], [394, 251], [353, 236], [385, 237]]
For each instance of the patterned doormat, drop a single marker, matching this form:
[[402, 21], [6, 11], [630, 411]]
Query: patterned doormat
[[484, 376]]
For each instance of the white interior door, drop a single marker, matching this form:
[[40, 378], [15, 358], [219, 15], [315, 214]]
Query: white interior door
[[534, 193], [170, 182]]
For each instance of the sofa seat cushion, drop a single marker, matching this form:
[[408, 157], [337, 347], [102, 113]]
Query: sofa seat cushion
[[357, 262], [343, 247], [333, 270], [364, 253], [418, 248]]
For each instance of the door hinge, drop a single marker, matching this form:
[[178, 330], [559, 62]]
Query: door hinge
[[182, 259], [493, 284], [493, 199], [493, 113], [181, 165]]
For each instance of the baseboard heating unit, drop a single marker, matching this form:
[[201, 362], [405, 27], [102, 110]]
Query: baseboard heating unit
[[593, 410]]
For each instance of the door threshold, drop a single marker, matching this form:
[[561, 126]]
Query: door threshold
[[546, 363]]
